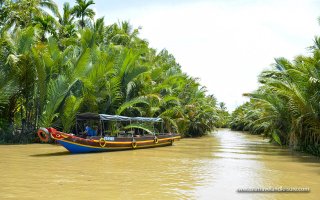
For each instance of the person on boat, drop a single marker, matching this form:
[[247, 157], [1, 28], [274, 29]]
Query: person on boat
[[90, 132]]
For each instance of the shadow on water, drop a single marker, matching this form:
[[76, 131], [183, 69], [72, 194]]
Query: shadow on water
[[64, 153]]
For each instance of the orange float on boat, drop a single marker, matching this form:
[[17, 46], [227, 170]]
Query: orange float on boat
[[43, 134]]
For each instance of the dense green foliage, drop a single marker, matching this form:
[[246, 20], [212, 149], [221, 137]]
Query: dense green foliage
[[223, 116], [286, 105], [54, 65]]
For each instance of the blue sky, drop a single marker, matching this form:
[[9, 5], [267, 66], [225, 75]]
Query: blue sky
[[225, 43]]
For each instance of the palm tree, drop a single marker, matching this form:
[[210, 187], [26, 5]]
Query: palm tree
[[82, 10], [47, 25], [21, 13], [122, 33], [7, 89], [66, 28], [286, 105]]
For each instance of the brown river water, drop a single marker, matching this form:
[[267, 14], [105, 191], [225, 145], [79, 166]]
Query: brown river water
[[211, 167]]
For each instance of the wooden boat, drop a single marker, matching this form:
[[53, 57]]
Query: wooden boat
[[79, 144]]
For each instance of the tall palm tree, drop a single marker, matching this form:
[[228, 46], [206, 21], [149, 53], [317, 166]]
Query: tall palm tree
[[66, 28], [82, 10]]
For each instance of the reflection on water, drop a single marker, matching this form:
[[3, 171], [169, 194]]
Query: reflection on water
[[204, 168]]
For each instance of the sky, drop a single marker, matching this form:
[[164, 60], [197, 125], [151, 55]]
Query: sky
[[225, 43]]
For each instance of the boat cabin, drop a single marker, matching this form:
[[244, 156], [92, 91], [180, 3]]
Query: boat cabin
[[95, 125]]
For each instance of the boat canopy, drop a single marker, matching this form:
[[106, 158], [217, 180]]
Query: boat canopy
[[105, 117]]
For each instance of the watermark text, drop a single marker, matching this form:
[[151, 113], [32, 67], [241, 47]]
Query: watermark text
[[274, 189]]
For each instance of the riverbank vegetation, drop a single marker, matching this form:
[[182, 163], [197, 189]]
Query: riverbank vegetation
[[54, 65], [286, 106]]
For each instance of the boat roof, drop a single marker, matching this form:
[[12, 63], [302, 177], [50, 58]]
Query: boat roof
[[105, 117]]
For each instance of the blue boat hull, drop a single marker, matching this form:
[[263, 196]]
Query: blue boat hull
[[76, 148]]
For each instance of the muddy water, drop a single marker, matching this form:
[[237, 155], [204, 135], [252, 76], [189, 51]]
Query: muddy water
[[212, 167]]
